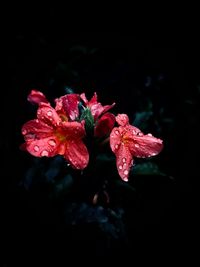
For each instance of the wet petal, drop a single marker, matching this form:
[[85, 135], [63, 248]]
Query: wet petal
[[77, 154], [35, 129], [36, 97], [115, 138], [48, 115], [74, 130], [104, 125], [145, 146], [96, 107], [47, 147], [68, 104], [124, 162], [83, 97], [122, 119]]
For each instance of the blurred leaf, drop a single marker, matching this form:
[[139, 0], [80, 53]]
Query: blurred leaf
[[61, 187], [89, 120], [142, 118], [147, 168], [108, 220]]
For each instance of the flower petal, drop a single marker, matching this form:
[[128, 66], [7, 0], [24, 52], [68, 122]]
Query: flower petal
[[122, 119], [124, 162], [77, 154], [47, 147], [115, 138], [48, 115], [96, 107], [145, 146], [74, 130], [104, 125], [35, 129], [68, 104], [36, 97]]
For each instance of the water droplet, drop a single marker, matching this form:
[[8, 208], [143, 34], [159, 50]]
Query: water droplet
[[37, 121], [44, 153], [126, 172], [49, 113], [24, 132], [149, 134], [112, 136], [52, 142], [139, 133], [124, 159], [116, 146], [68, 164], [153, 154], [36, 148], [136, 145], [117, 132], [124, 165], [120, 167], [125, 179], [39, 112]]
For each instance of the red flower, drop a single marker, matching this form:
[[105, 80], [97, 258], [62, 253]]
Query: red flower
[[52, 134], [66, 106], [127, 142], [96, 107]]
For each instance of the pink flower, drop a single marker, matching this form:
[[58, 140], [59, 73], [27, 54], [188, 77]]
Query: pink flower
[[127, 142], [96, 107], [52, 134], [66, 106]]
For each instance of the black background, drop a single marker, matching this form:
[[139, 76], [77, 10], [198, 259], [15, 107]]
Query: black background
[[117, 65]]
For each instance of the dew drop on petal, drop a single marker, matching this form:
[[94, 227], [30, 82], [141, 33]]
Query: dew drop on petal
[[120, 167], [117, 132], [52, 142], [36, 148], [126, 172], [44, 153], [116, 146], [149, 134], [37, 121], [125, 179], [136, 145], [124, 159], [124, 165], [24, 132], [153, 154], [49, 113]]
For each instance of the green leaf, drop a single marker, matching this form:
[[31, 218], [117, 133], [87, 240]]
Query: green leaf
[[89, 120], [147, 168]]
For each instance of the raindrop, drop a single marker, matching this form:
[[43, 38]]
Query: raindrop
[[116, 146], [136, 145], [36, 148], [124, 159], [149, 134], [52, 142], [117, 132], [120, 167], [37, 121], [24, 132], [49, 113], [153, 154], [126, 172], [44, 153], [124, 165]]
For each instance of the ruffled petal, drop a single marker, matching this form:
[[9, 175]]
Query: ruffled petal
[[46, 147], [35, 129], [37, 97], [122, 119], [68, 104], [124, 162], [76, 154], [48, 115], [145, 146], [104, 125]]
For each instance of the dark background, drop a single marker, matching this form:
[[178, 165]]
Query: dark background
[[133, 70]]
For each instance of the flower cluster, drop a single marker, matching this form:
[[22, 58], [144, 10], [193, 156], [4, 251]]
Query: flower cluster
[[62, 130]]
